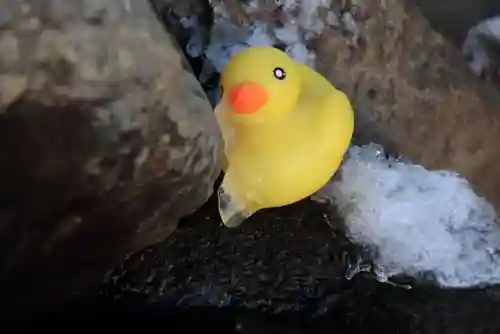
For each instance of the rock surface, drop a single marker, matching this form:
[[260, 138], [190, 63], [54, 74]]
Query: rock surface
[[414, 94], [106, 138], [289, 263]]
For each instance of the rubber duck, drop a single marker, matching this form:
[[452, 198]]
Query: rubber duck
[[285, 127]]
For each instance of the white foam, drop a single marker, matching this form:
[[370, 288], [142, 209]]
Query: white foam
[[481, 46], [416, 221], [288, 34], [308, 17], [303, 24]]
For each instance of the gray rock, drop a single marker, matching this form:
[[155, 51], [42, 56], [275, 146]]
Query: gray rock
[[106, 140]]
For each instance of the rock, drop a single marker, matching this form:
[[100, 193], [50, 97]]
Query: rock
[[414, 94], [107, 141], [290, 259], [288, 262]]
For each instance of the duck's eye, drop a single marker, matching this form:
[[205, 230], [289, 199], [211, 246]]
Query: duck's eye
[[279, 73]]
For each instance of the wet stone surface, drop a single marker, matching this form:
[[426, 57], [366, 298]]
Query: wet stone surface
[[289, 263], [260, 265]]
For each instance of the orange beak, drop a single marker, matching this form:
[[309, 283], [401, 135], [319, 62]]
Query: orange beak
[[247, 97]]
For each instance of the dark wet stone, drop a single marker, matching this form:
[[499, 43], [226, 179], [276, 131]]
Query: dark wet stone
[[283, 266]]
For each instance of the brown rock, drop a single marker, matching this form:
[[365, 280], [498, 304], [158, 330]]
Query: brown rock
[[106, 138], [414, 93]]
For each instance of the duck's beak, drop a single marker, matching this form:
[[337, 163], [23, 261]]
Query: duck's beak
[[247, 97]]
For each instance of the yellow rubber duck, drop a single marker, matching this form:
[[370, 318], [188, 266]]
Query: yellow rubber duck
[[285, 128]]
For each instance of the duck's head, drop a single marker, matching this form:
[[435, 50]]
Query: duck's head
[[260, 83]]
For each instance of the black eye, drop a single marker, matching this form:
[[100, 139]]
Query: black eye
[[279, 73]]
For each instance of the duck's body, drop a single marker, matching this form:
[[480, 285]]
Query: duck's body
[[278, 160]]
